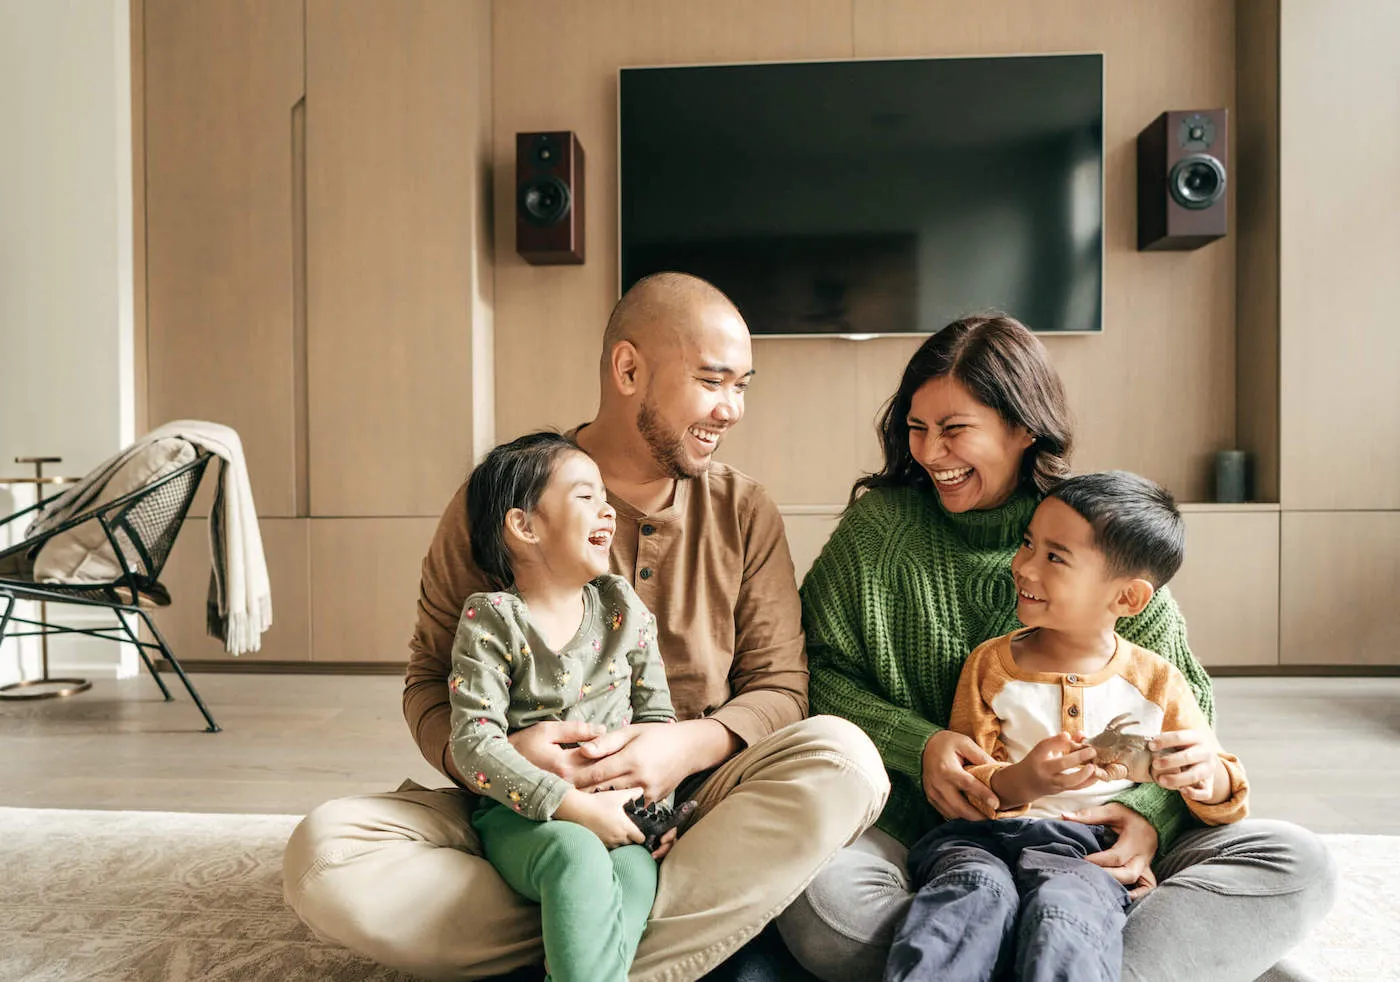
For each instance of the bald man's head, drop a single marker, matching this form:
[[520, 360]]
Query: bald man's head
[[676, 363], [661, 311]]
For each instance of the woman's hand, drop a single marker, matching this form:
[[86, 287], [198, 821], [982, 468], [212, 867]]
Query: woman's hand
[[602, 815], [1129, 859], [1189, 761], [947, 784]]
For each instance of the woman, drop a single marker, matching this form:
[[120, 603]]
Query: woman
[[918, 574]]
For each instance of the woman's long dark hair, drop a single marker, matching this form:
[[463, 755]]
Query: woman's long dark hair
[[1007, 369]]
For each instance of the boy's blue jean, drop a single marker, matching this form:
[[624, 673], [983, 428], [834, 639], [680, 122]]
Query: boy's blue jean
[[1010, 898]]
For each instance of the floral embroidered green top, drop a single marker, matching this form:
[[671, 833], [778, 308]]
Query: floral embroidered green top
[[505, 678]]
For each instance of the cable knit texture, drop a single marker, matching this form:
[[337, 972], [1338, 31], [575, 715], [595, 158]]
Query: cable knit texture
[[899, 597]]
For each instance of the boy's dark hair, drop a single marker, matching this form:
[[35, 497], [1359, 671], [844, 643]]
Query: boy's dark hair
[[513, 475], [1136, 523]]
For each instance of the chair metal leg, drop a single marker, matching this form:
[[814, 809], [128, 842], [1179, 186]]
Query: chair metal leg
[[175, 664], [141, 650], [43, 687], [5, 620]]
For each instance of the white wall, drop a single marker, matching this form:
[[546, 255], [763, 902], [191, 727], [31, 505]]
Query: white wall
[[66, 382]]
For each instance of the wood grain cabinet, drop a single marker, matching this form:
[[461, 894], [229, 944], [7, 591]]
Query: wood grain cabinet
[[221, 81], [1228, 586], [1340, 580], [398, 130], [287, 548], [318, 257]]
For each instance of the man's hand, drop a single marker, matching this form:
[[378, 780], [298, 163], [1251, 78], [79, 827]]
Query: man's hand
[[550, 746], [1055, 764], [664, 846], [947, 784], [1190, 762], [654, 756], [602, 815], [1129, 859]]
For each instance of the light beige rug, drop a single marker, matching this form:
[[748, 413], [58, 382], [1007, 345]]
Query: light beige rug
[[155, 897], [169, 897]]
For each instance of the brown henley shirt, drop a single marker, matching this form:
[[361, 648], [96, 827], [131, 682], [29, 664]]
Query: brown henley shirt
[[713, 567]]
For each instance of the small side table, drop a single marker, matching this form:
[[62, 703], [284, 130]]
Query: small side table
[[45, 686]]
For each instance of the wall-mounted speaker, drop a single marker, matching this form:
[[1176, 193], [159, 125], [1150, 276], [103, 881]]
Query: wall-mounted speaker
[[1183, 159], [549, 198]]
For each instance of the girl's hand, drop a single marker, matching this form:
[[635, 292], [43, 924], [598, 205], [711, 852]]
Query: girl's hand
[[602, 814], [1189, 761], [947, 784]]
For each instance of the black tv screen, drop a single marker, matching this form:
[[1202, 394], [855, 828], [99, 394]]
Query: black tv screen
[[871, 197]]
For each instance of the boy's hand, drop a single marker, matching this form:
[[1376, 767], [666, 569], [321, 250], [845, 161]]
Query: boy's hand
[[602, 814], [1055, 764], [1189, 761]]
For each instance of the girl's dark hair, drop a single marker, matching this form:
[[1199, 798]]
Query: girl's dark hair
[[513, 475], [1007, 369]]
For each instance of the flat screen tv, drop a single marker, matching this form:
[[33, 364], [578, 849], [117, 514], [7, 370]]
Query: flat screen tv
[[863, 198]]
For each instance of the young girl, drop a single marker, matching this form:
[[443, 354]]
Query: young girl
[[560, 640]]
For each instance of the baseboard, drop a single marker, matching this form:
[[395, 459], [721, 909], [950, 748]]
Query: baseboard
[[233, 667], [1287, 671]]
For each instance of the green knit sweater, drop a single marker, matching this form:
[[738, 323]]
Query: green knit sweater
[[900, 596]]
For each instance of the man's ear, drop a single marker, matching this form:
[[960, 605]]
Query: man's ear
[[518, 528], [626, 368], [1133, 596]]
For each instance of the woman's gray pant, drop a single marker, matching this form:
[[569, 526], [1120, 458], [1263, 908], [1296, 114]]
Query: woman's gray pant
[[1232, 901]]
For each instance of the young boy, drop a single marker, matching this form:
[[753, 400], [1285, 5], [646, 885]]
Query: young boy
[[1015, 894]]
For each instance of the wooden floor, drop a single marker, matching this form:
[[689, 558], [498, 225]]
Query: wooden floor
[[1324, 752]]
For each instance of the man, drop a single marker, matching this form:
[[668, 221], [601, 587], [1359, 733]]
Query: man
[[399, 877]]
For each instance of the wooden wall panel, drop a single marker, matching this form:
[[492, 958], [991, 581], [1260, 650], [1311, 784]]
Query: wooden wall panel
[[397, 127], [221, 80], [1340, 576], [550, 319], [364, 586], [807, 532], [137, 18], [1340, 249], [1228, 586], [1254, 131], [286, 546], [1154, 393]]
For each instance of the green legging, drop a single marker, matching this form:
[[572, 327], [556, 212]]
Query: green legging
[[594, 902]]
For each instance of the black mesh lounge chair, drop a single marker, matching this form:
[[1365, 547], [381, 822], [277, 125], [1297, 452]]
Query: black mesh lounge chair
[[141, 527]]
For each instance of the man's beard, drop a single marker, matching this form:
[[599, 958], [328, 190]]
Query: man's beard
[[667, 449]]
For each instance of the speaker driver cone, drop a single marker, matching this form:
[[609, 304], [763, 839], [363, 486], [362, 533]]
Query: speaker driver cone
[[544, 201], [1197, 181]]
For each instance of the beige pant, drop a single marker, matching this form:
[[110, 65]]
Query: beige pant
[[399, 877]]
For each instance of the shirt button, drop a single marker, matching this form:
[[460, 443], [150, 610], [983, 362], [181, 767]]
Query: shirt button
[[1072, 679], [648, 529], [1074, 710], [645, 573]]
